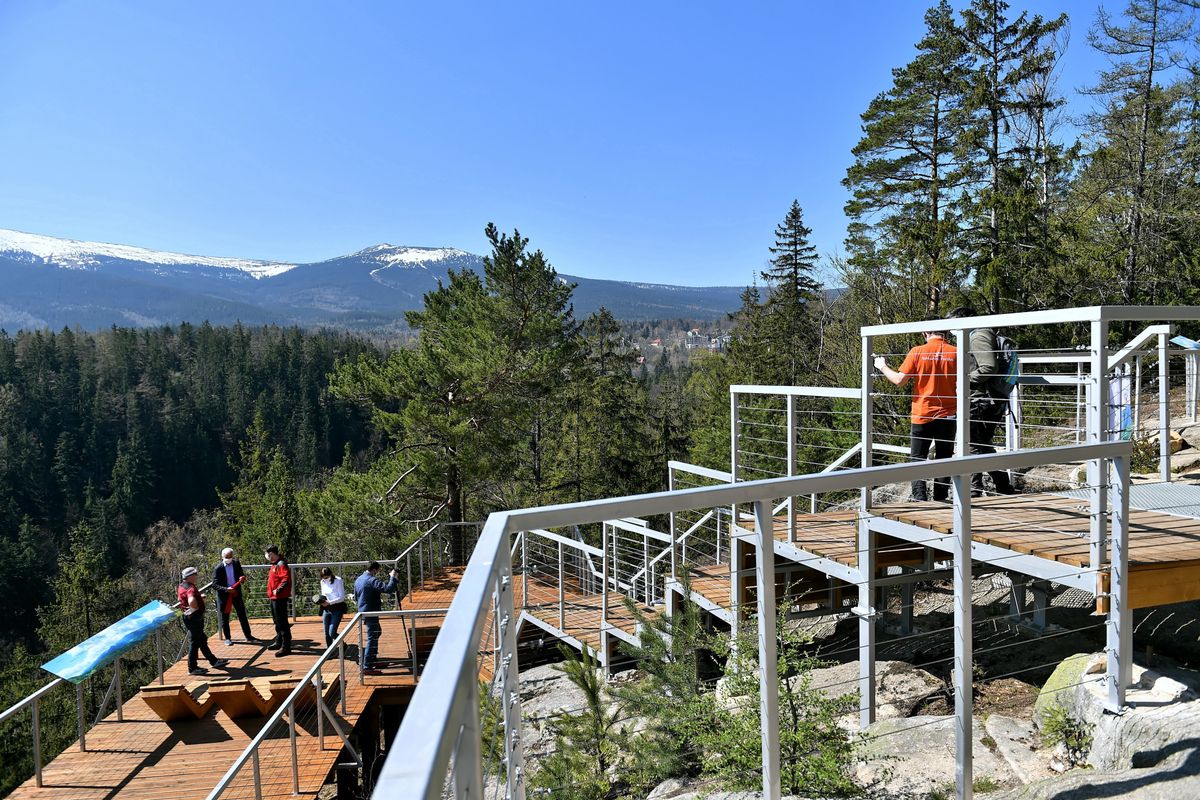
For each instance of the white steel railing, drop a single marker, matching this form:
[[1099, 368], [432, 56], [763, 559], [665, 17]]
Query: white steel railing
[[310, 692], [442, 724], [33, 702]]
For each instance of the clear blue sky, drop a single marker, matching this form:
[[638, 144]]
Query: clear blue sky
[[636, 141]]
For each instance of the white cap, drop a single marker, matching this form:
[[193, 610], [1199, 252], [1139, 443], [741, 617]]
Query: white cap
[[189, 571]]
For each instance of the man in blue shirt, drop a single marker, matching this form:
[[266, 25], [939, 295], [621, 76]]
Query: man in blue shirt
[[368, 591]]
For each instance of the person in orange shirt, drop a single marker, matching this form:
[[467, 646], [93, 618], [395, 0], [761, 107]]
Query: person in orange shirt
[[933, 369]]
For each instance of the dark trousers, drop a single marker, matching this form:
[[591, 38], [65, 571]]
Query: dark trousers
[[283, 625], [239, 606], [371, 649], [937, 434], [983, 430], [197, 639]]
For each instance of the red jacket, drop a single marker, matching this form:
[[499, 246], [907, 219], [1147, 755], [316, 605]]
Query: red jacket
[[279, 581]]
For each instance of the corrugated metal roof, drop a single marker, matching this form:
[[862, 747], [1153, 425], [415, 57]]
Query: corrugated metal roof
[[1181, 499]]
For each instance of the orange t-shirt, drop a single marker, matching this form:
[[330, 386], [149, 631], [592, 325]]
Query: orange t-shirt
[[933, 368]]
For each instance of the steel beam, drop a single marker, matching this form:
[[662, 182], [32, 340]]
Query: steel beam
[[768, 665]]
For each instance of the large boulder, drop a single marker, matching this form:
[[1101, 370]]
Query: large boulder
[[915, 757], [1159, 728]]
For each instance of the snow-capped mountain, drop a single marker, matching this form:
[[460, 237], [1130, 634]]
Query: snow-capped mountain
[[72, 254], [50, 282]]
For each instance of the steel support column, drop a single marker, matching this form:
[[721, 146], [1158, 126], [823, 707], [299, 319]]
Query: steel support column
[[1097, 468], [1120, 617], [1164, 410], [963, 644], [791, 464], [963, 649], [866, 556], [768, 672]]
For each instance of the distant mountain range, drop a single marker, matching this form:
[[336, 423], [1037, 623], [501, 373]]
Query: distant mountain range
[[49, 282]]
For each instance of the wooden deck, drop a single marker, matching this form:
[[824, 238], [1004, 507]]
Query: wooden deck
[[581, 612], [144, 758], [1164, 549]]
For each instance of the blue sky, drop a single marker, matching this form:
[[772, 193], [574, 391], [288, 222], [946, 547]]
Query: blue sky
[[651, 141]]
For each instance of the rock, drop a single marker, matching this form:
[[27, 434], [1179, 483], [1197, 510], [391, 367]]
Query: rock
[[1160, 727], [899, 687], [1018, 744], [1191, 435], [1181, 783], [545, 693], [914, 757], [1064, 677]]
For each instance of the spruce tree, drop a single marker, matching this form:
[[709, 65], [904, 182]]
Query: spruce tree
[[1133, 126], [790, 328]]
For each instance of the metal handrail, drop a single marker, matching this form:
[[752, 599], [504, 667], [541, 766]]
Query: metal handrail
[[31, 700], [441, 702], [288, 703]]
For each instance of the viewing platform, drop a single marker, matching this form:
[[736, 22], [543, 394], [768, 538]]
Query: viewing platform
[[176, 739]]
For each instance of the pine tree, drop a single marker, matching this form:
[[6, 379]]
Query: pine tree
[[1009, 56], [908, 169]]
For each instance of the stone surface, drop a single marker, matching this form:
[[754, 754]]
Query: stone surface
[[1057, 687], [899, 686], [1179, 783], [915, 756], [1160, 728], [545, 693], [1018, 743]]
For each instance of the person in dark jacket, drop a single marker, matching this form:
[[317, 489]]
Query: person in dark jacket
[[279, 590], [227, 580], [368, 590], [987, 410], [191, 602]]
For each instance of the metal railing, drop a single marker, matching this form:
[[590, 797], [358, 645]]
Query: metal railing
[[442, 722], [312, 693], [33, 700]]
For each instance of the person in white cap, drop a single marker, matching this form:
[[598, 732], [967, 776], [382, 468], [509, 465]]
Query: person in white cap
[[192, 603]]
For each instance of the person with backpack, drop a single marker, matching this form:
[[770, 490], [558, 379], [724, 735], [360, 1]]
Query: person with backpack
[[988, 378]]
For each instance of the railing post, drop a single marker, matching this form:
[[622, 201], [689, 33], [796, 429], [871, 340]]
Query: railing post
[[468, 764], [604, 572], [767, 650], [865, 609], [562, 624], [963, 644], [525, 569], [1097, 468], [257, 776], [1120, 618], [120, 693], [37, 741], [734, 436], [1137, 396], [318, 684], [791, 464], [868, 410], [646, 570], [80, 722], [342, 671], [1164, 410], [510, 695], [291, 714], [158, 659], [672, 532], [361, 664]]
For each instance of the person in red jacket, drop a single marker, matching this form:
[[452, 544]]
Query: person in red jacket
[[279, 589]]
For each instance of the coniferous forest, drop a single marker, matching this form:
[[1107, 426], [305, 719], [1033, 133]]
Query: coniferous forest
[[125, 454]]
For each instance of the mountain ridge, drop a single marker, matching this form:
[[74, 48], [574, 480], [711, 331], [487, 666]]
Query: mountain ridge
[[367, 290]]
